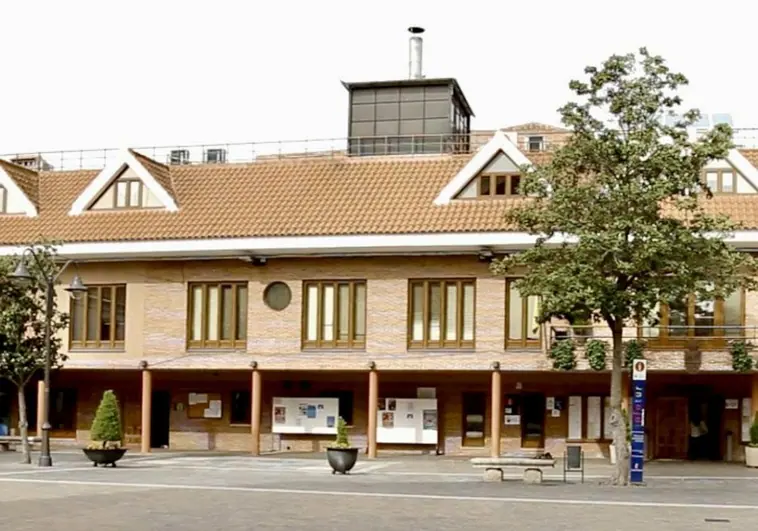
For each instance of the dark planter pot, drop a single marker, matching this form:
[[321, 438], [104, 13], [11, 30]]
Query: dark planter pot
[[104, 456], [342, 460]]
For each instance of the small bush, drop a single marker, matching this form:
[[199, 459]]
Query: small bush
[[741, 359], [595, 352], [754, 432], [563, 355], [106, 428], [342, 440], [634, 349]]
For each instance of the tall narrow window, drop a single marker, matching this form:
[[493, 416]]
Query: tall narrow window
[[217, 315], [98, 320], [441, 314], [334, 314], [521, 316], [3, 201]]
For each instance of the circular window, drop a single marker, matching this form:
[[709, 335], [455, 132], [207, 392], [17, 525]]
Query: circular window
[[277, 296]]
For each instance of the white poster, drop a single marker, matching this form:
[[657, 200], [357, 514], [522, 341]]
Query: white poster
[[213, 411], [512, 420], [550, 403], [409, 421], [575, 418], [747, 418], [305, 415], [594, 417]]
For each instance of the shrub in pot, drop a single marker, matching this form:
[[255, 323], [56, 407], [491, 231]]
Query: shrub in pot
[[751, 450], [106, 434], [340, 454]]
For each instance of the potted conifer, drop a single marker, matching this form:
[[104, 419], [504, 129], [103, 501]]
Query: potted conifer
[[751, 450], [106, 434], [341, 455]]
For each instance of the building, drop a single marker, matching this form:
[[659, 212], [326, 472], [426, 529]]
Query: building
[[244, 306]]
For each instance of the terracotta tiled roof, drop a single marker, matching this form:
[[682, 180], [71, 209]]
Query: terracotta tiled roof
[[322, 196], [536, 127], [27, 180], [160, 172], [751, 155]]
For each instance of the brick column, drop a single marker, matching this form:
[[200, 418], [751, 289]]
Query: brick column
[[497, 409], [40, 406], [147, 406], [373, 407], [256, 388]]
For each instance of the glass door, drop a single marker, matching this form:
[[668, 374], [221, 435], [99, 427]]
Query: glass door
[[532, 421], [474, 411]]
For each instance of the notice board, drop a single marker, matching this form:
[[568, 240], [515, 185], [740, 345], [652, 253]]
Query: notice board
[[407, 421], [204, 406], [315, 415]]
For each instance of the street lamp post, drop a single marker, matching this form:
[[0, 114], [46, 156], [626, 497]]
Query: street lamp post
[[76, 289]]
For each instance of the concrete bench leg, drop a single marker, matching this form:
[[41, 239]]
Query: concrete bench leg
[[532, 475], [5, 447], [493, 474]]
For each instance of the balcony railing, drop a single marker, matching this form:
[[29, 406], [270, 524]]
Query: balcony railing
[[661, 337]]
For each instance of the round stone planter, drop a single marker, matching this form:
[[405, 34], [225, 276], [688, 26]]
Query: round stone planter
[[104, 456], [342, 460]]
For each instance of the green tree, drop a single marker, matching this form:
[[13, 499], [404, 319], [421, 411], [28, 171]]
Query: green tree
[[618, 213], [22, 327], [106, 428]]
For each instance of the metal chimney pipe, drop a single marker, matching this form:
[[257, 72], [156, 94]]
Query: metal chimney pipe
[[415, 52]]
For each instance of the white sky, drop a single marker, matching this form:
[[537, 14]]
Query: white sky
[[92, 74]]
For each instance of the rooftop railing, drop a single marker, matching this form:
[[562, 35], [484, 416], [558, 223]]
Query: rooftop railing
[[247, 152]]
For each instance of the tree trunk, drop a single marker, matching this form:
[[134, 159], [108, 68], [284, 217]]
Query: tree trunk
[[619, 428], [23, 425]]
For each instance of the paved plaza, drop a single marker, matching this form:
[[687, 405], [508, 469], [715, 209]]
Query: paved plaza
[[229, 492]]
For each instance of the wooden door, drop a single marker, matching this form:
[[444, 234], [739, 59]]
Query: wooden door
[[671, 428], [474, 415], [532, 421]]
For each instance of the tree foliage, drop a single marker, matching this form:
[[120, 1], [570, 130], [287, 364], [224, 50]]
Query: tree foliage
[[106, 428], [22, 319], [621, 212]]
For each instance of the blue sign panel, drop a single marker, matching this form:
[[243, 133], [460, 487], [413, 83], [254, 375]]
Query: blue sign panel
[[638, 430]]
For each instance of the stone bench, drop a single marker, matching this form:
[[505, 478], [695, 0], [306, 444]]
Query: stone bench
[[8, 441], [494, 466]]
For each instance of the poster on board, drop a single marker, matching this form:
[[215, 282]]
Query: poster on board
[[305, 415], [408, 421]]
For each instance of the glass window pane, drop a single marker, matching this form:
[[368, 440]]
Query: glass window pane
[[77, 319], [484, 185], [121, 193], [135, 191], [360, 312], [515, 313], [705, 317], [515, 185], [227, 312], [712, 180], [327, 313], [92, 314], [435, 310], [120, 313], [651, 325], [241, 333], [312, 306], [678, 318], [727, 182], [211, 317], [197, 313], [468, 312], [451, 312], [343, 313], [500, 185], [532, 313], [105, 314], [417, 308], [733, 314]]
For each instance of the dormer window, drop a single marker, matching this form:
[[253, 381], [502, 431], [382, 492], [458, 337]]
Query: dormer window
[[499, 185], [127, 192], [722, 181], [536, 143]]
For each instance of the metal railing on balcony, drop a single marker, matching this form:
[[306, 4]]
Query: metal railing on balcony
[[661, 337]]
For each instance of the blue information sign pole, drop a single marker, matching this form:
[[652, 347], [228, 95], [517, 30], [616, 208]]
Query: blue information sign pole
[[639, 379]]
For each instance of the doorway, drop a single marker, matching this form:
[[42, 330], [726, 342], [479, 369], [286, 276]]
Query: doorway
[[532, 420], [160, 419], [705, 414], [671, 431], [474, 413]]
